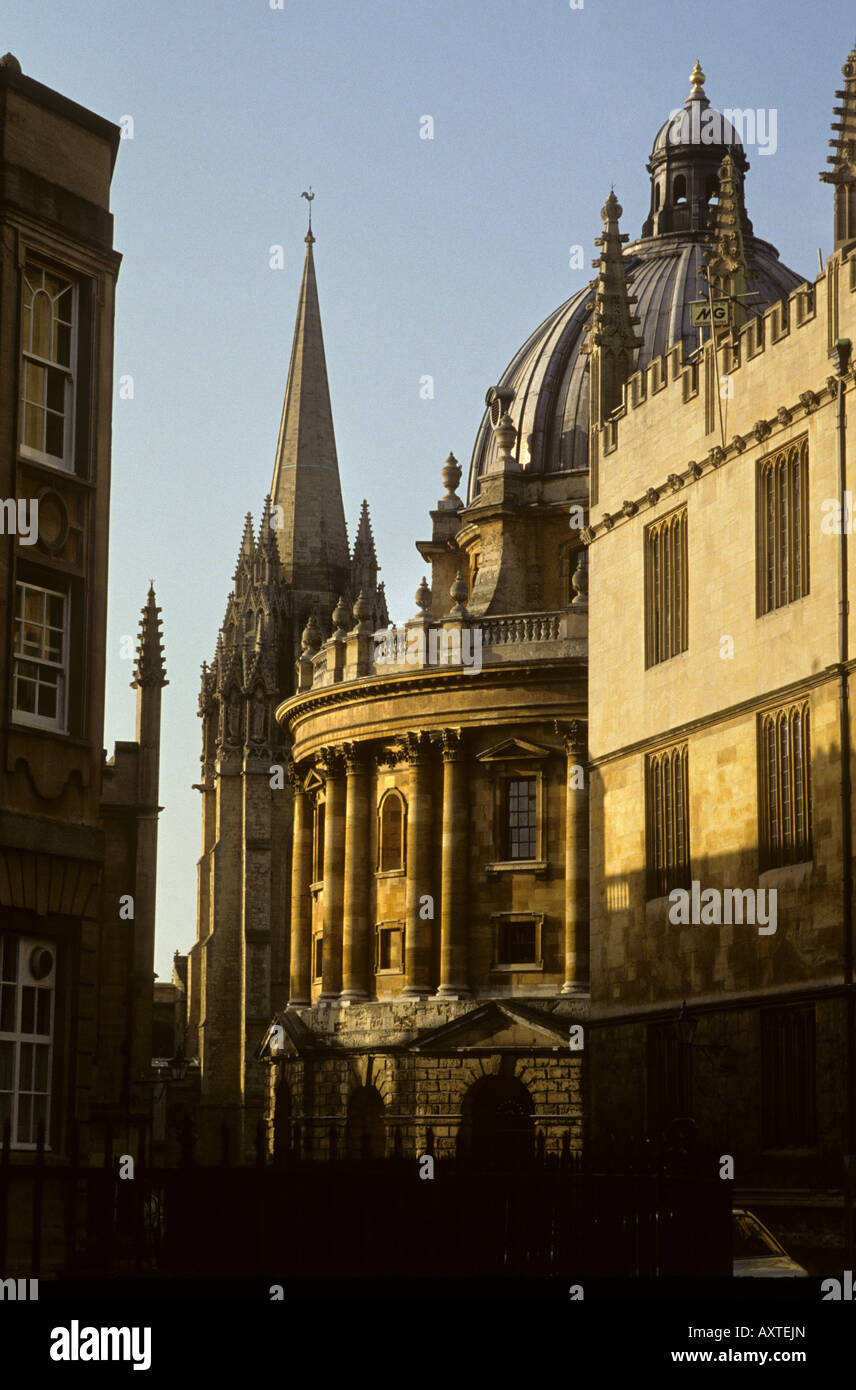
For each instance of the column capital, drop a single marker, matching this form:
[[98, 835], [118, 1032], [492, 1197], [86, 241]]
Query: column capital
[[330, 761], [354, 759], [452, 745], [294, 777], [417, 748], [574, 735]]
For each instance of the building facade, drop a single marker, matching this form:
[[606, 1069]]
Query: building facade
[[78, 834], [624, 676]]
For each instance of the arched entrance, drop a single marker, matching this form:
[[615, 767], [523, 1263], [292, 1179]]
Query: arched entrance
[[366, 1131], [496, 1123]]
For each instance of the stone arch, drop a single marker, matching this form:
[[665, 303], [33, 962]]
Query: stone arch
[[365, 1129], [497, 1128]]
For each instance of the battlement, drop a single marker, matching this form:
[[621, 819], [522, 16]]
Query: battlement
[[736, 395]]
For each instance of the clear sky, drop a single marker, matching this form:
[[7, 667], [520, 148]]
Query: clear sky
[[434, 256]]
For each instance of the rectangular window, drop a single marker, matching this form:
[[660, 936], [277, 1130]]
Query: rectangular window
[[667, 821], [788, 1115], [669, 1077], [317, 956], [40, 657], [48, 352], [521, 818], [27, 986], [517, 942], [666, 588], [785, 831], [782, 528], [390, 949]]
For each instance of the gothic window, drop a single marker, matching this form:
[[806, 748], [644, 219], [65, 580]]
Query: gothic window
[[27, 981], [48, 352], [783, 528], [785, 786], [788, 1117], [40, 657], [667, 817], [666, 588], [521, 818], [391, 833]]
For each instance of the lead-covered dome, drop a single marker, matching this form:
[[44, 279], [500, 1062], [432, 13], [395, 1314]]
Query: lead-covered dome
[[549, 374]]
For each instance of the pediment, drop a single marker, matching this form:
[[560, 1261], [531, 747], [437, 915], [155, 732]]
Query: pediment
[[512, 750], [496, 1026]]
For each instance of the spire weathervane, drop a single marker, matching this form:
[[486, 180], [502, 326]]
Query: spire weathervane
[[309, 196]]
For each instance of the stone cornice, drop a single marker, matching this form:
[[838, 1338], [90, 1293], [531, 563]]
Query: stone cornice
[[761, 432], [387, 687]]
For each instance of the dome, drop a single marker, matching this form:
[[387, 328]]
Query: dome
[[549, 374]]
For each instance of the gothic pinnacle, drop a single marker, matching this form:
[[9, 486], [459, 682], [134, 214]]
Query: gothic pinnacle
[[149, 668]]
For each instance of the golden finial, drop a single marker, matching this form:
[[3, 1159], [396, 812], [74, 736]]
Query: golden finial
[[697, 79]]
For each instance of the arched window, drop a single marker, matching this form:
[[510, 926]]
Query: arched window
[[391, 832], [366, 1127], [679, 189], [786, 830], [656, 197], [783, 528]]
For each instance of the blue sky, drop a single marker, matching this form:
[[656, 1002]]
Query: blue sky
[[434, 257]]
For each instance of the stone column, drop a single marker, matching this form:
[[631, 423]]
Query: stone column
[[299, 994], [576, 862], [334, 867], [454, 870], [355, 913], [419, 915]]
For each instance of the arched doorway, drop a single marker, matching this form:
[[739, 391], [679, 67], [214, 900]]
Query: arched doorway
[[496, 1123], [366, 1131]]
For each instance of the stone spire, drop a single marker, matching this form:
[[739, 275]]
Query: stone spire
[[611, 336], [726, 268], [149, 669], [843, 172], [313, 542]]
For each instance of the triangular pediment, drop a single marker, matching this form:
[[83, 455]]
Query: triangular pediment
[[512, 750], [496, 1026]]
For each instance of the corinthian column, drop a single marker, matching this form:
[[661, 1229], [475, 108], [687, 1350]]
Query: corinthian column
[[299, 995], [576, 862], [334, 865], [355, 913], [454, 870], [419, 899]]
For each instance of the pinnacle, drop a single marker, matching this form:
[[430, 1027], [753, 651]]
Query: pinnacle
[[149, 668]]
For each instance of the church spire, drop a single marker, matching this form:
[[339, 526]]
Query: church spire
[[313, 542], [843, 161]]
